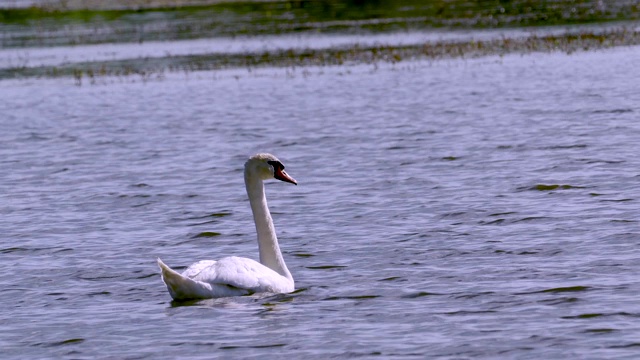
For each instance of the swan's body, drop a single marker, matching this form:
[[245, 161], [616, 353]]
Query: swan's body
[[232, 276]]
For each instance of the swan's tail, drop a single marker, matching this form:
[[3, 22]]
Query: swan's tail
[[181, 287]]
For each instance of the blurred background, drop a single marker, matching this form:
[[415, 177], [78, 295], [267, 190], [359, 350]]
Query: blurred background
[[286, 33]]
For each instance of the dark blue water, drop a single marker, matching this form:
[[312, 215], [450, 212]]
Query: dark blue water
[[461, 209]]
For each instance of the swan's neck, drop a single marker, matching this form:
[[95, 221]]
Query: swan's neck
[[270, 255]]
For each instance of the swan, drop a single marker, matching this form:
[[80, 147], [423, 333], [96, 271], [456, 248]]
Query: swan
[[234, 276]]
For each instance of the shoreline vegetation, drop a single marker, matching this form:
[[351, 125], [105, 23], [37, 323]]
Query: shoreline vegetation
[[56, 23]]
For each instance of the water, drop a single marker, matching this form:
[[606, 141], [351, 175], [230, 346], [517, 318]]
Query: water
[[48, 58], [63, 55], [43, 23], [459, 209]]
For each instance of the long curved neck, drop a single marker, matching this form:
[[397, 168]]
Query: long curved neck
[[270, 255]]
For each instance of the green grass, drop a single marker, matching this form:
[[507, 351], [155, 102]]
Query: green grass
[[62, 25], [151, 67], [59, 25]]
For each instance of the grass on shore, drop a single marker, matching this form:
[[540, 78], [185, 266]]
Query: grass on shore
[[81, 22], [50, 25], [148, 67]]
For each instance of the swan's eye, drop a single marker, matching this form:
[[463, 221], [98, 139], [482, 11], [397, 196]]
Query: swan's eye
[[277, 165]]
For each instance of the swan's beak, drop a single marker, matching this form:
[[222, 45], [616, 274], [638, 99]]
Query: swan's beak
[[283, 176]]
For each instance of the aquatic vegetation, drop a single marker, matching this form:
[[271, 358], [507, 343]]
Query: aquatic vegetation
[[90, 22], [544, 187], [148, 68], [207, 234], [82, 22]]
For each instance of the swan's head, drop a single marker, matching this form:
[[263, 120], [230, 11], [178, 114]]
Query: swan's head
[[265, 167]]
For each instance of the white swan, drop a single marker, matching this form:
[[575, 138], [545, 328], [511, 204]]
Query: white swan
[[232, 276]]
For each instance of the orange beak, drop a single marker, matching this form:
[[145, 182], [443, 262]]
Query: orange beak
[[283, 176]]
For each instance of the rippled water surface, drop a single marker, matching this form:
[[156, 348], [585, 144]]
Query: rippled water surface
[[480, 208]]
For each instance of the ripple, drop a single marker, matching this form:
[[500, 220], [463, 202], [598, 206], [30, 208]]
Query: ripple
[[565, 147], [203, 223], [488, 231], [15, 249], [34, 250], [503, 213], [560, 300], [567, 289], [600, 161], [595, 315], [231, 347], [62, 343], [545, 187], [419, 294], [625, 346], [600, 330], [469, 312], [530, 218], [613, 111], [354, 297], [560, 290]]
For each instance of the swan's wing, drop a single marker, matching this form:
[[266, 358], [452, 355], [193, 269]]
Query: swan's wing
[[240, 273], [182, 287], [196, 268]]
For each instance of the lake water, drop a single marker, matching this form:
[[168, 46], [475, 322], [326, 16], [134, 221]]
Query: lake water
[[462, 209]]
